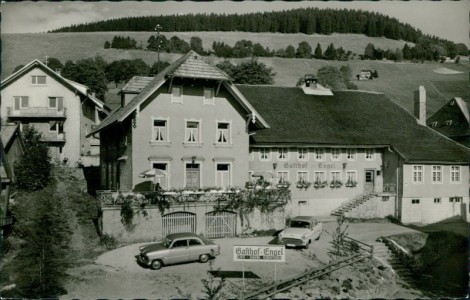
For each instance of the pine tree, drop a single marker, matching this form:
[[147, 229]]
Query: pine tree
[[318, 52]]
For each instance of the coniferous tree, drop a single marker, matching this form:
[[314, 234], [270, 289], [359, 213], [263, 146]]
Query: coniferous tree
[[318, 52], [107, 45]]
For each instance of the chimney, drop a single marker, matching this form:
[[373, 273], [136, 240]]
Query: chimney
[[420, 105], [57, 71]]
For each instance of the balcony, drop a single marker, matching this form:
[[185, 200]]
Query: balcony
[[36, 112], [53, 137]]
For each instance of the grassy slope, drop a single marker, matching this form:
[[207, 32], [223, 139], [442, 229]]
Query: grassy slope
[[397, 80]]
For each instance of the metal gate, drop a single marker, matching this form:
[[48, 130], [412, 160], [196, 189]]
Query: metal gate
[[221, 224], [177, 222]]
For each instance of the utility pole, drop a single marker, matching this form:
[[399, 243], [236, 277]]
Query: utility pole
[[158, 28], [46, 59]]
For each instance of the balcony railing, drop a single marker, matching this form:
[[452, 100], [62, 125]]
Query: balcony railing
[[6, 221], [36, 112], [53, 137]]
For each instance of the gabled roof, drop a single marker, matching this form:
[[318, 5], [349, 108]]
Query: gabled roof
[[348, 118], [191, 65], [452, 119], [136, 84], [71, 85]]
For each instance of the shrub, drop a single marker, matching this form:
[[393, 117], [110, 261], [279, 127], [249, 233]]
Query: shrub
[[108, 241]]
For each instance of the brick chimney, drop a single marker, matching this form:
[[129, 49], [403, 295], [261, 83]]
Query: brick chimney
[[420, 105]]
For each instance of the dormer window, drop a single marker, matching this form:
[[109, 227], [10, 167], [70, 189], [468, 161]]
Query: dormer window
[[434, 124], [449, 122], [177, 94], [208, 96], [38, 79]]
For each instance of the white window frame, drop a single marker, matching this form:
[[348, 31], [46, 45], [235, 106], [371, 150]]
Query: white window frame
[[229, 133], [186, 136], [336, 172], [177, 99], [20, 99], [230, 172], [437, 200], [418, 171], [268, 153], [302, 152], [351, 154], [338, 155], [453, 172], [167, 133], [34, 79], [354, 177], [168, 165], [279, 177], [208, 101], [434, 124], [283, 154], [415, 201], [436, 171], [56, 99], [454, 199], [322, 178], [305, 179], [317, 152], [197, 161], [369, 154]]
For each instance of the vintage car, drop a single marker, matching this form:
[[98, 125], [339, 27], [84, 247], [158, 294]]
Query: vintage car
[[300, 232], [177, 248]]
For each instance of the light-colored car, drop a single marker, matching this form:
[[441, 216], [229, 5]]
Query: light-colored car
[[300, 232], [177, 248]]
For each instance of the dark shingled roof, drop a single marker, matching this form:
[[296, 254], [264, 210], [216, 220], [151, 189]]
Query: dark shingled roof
[[136, 84], [451, 120], [355, 118]]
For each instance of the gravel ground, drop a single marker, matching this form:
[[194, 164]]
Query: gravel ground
[[116, 274]]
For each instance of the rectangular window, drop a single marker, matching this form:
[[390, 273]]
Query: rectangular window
[[208, 96], [335, 154], [52, 102], [351, 175], [319, 154], [38, 79], [160, 131], [302, 176], [437, 200], [414, 201], [283, 153], [21, 102], [265, 154], [370, 154], [320, 176], [222, 175], [455, 199], [223, 133], [455, 174], [177, 94], [351, 154], [302, 154], [53, 126], [283, 176], [335, 175], [436, 174], [192, 132], [417, 174]]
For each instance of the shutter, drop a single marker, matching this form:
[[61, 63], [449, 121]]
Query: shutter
[[60, 103], [17, 103]]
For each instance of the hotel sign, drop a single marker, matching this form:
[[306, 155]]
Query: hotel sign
[[297, 165], [259, 253]]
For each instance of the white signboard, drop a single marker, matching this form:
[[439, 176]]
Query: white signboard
[[259, 253]]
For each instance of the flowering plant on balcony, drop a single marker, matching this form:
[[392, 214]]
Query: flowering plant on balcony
[[319, 184], [351, 183], [302, 184], [336, 184], [283, 184]]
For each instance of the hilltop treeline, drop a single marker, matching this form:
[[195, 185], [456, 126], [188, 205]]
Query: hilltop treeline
[[304, 20]]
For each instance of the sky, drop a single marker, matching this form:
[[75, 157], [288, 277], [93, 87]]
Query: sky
[[446, 19]]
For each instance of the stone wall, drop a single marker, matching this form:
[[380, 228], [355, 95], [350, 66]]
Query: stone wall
[[376, 207]]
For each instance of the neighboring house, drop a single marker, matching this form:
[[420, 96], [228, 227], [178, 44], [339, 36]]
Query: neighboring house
[[12, 149], [365, 74], [61, 109], [452, 120], [194, 128], [189, 122]]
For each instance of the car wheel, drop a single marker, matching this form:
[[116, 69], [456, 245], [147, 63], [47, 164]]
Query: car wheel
[[156, 264], [204, 258]]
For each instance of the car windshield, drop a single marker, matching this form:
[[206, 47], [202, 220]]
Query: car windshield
[[299, 224], [167, 242]]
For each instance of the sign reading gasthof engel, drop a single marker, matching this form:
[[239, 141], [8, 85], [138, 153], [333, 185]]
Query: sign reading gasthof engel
[[259, 253]]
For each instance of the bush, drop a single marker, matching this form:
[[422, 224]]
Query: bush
[[108, 241]]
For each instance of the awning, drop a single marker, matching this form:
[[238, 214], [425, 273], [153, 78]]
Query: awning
[[160, 157], [223, 159]]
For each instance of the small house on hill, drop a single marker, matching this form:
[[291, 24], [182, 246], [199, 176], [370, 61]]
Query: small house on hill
[[365, 74]]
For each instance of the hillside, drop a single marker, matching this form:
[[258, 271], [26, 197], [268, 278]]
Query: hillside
[[396, 80]]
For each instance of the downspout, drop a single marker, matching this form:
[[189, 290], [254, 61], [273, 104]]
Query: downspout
[[397, 189]]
